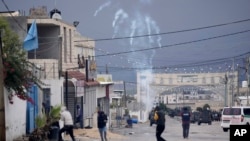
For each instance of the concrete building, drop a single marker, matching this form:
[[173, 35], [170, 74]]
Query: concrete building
[[62, 58], [177, 90], [243, 99]]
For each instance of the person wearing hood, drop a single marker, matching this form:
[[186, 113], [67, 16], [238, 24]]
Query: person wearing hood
[[101, 124], [66, 117]]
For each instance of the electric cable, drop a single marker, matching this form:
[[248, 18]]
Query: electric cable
[[189, 65], [177, 44], [6, 6], [165, 33]]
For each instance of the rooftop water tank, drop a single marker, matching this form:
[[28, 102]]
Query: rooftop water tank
[[55, 14]]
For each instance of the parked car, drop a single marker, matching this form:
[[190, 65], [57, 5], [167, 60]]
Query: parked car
[[205, 117], [216, 116], [171, 113], [234, 116], [195, 117]]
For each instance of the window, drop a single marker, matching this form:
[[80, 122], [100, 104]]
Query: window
[[231, 111], [161, 81], [212, 80], [246, 111], [187, 78], [170, 80], [204, 80]]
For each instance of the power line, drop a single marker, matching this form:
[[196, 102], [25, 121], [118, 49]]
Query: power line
[[177, 44], [165, 33], [194, 64], [205, 62], [224, 24], [13, 17], [153, 34], [6, 6]]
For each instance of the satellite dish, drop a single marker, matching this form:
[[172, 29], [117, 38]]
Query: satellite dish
[[56, 16]]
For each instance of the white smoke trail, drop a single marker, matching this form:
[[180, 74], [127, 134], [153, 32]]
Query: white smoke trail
[[140, 25], [119, 18], [132, 33], [130, 21], [157, 29], [148, 22], [102, 7]]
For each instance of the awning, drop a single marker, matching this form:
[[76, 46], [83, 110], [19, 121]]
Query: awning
[[81, 79], [106, 83]]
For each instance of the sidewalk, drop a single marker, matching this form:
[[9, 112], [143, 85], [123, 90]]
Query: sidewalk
[[93, 135]]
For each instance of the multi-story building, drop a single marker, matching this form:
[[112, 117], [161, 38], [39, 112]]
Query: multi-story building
[[177, 90], [65, 62], [63, 52]]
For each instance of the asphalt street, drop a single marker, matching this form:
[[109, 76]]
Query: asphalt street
[[173, 132]]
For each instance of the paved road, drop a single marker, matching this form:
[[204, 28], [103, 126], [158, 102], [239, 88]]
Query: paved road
[[173, 132]]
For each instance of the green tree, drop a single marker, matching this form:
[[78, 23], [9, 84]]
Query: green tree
[[44, 123], [18, 77]]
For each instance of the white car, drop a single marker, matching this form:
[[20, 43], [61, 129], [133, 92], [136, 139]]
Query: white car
[[234, 116]]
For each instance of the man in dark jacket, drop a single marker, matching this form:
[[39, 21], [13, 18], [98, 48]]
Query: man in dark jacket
[[101, 124], [159, 117], [151, 117], [185, 115], [79, 115]]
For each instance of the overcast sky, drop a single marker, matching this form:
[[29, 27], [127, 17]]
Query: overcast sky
[[107, 19]]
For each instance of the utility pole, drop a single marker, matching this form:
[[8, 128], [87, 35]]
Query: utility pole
[[125, 94], [2, 107], [107, 72], [248, 79], [225, 81], [232, 84], [238, 81]]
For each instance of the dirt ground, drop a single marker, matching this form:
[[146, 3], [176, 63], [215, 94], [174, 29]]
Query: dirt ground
[[94, 134]]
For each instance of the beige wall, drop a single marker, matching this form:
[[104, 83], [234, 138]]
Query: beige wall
[[160, 82], [46, 68]]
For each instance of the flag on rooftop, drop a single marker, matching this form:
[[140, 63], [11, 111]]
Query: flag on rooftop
[[31, 40]]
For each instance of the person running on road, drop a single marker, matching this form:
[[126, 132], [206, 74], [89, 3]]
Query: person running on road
[[68, 124], [185, 115], [159, 117]]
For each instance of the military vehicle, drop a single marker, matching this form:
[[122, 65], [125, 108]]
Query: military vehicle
[[205, 117]]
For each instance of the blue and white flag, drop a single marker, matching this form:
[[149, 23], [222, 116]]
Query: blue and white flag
[[31, 40]]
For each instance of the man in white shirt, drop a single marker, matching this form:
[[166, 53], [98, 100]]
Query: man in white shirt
[[68, 123]]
